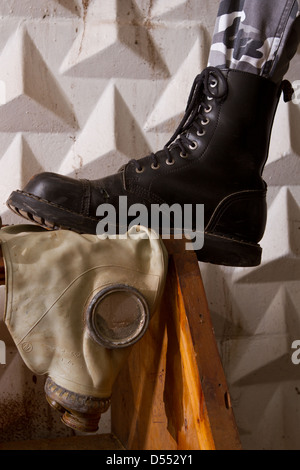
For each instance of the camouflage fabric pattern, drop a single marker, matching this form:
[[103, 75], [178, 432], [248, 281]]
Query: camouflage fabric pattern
[[249, 35]]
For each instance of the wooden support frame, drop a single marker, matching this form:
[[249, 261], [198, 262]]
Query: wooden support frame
[[172, 394]]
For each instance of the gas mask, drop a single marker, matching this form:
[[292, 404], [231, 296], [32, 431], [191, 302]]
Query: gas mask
[[75, 305]]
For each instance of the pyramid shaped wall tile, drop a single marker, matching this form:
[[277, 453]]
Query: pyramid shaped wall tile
[[131, 38], [167, 111], [34, 100], [100, 146]]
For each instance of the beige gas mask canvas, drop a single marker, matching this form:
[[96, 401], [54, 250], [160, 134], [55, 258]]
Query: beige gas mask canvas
[[75, 304]]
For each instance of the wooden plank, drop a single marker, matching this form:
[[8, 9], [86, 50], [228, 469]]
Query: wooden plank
[[172, 394]]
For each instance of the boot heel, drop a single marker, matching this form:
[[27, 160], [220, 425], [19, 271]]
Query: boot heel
[[228, 252], [234, 230]]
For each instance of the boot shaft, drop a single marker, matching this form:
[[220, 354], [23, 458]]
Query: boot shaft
[[229, 141], [244, 124]]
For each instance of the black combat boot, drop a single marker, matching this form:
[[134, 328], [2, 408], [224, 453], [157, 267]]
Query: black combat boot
[[215, 158]]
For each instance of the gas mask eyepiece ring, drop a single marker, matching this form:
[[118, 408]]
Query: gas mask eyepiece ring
[[117, 316]]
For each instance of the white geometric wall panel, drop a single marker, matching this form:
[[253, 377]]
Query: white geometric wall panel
[[87, 85]]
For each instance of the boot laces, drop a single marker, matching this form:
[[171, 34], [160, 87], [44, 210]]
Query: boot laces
[[194, 115]]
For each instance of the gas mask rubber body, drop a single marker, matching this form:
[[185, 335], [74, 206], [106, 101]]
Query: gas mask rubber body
[[75, 305]]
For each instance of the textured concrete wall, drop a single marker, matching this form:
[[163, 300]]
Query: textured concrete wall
[[87, 85]]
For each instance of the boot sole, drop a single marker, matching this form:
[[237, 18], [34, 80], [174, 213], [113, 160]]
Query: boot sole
[[218, 249]]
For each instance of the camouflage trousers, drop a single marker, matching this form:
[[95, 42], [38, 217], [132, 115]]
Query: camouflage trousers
[[250, 35]]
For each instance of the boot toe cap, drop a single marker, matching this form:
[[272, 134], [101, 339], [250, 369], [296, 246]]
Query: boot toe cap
[[60, 190]]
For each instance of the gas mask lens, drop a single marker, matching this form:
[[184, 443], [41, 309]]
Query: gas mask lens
[[117, 316]]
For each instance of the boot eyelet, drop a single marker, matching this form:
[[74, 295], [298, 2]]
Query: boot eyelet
[[183, 155], [213, 83], [194, 145], [155, 167], [205, 122], [200, 134], [140, 170], [208, 109], [209, 98], [170, 162]]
